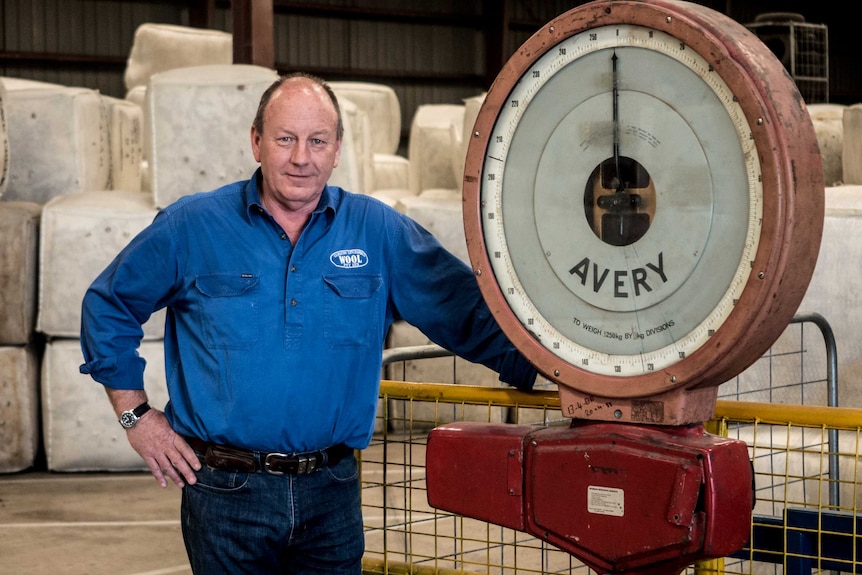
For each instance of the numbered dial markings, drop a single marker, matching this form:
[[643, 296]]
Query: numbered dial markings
[[621, 200]]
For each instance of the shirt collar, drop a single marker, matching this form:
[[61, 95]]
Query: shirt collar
[[329, 199]]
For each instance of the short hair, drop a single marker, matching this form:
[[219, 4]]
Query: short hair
[[267, 96]]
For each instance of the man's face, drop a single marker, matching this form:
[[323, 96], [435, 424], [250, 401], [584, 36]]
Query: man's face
[[298, 147]]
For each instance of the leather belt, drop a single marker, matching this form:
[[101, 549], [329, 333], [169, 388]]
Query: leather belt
[[245, 461]]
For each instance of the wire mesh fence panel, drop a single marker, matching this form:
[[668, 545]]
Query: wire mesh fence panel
[[404, 534], [799, 368], [807, 493], [800, 469], [804, 453]]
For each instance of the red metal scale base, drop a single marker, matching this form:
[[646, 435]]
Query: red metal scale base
[[622, 498]]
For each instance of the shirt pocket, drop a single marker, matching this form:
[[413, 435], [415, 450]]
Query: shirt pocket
[[352, 304], [229, 310]]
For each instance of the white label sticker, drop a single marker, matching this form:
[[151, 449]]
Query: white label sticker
[[606, 501]]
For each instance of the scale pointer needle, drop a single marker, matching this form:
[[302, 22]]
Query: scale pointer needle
[[616, 117]]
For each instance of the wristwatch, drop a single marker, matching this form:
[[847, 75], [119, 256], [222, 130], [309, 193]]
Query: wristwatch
[[130, 418]]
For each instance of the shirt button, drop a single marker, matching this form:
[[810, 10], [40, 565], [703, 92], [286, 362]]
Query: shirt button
[[292, 302], [293, 268], [283, 236]]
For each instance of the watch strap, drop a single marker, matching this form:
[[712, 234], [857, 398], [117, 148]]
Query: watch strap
[[141, 409], [130, 418]]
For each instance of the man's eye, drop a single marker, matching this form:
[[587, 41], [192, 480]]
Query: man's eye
[[285, 140], [317, 142]]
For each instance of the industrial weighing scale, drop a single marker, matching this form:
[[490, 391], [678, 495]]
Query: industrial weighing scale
[[643, 205]]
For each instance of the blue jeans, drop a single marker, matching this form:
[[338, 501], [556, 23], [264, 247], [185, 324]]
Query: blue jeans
[[288, 524]]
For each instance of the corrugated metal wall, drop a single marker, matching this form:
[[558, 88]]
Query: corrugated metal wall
[[76, 42], [86, 43], [429, 52], [423, 62]]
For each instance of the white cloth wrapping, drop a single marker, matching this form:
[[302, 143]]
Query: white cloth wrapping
[[58, 142], [198, 122], [80, 428], [19, 410], [19, 228], [80, 235], [161, 47], [125, 128]]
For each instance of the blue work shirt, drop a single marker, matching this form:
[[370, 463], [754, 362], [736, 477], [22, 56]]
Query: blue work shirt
[[276, 347]]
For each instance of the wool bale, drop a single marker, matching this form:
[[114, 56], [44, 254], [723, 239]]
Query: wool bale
[[851, 154], [461, 134], [58, 142], [380, 103], [138, 95], [79, 426], [391, 176], [440, 211], [19, 410], [80, 235], [19, 228], [160, 47], [198, 122], [125, 124], [828, 120], [430, 147], [354, 170]]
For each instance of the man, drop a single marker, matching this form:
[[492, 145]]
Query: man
[[279, 293]]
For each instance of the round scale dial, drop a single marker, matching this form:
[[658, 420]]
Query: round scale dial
[[611, 278], [634, 194]]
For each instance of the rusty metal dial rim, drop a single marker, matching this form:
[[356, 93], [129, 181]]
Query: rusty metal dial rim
[[792, 200]]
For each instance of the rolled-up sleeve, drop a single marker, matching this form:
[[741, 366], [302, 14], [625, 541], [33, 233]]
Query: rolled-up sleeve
[[120, 300]]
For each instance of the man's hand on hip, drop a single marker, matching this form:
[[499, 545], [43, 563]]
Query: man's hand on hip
[[164, 451]]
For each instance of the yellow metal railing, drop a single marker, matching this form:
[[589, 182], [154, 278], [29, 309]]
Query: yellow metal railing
[[806, 491]]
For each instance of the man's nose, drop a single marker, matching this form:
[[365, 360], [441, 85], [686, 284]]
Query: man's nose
[[299, 154]]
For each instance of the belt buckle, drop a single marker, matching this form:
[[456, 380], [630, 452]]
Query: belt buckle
[[267, 463], [305, 463]]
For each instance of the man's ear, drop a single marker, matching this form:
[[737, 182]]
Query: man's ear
[[255, 144], [337, 152]]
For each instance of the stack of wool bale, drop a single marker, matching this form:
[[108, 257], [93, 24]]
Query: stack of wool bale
[[19, 353], [382, 169], [78, 173], [74, 164]]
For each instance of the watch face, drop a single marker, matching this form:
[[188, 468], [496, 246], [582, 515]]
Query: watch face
[[626, 202], [128, 419]]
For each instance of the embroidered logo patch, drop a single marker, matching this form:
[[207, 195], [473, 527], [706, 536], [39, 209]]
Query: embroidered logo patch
[[354, 258]]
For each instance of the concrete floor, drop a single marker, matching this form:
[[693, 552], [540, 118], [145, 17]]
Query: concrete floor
[[125, 524], [114, 523], [89, 524]]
